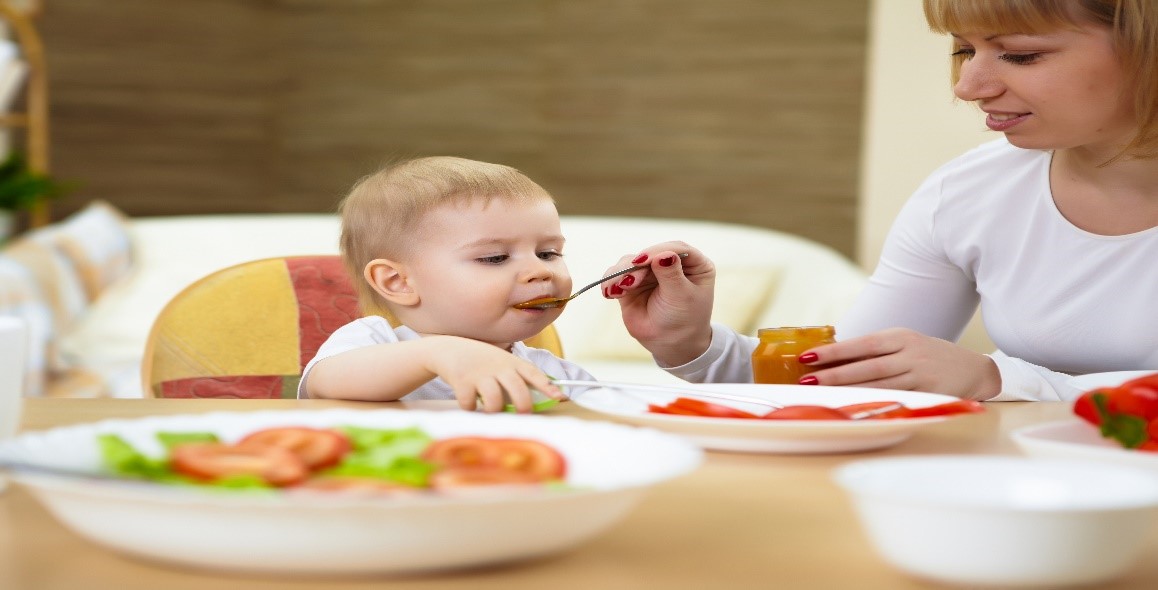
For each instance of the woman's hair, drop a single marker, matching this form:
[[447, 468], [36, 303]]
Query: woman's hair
[[1133, 24], [382, 213]]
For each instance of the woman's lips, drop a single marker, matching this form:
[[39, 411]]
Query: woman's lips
[[1004, 121]]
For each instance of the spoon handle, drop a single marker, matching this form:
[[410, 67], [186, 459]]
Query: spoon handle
[[616, 274]]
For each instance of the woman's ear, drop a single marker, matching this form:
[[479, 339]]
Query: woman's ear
[[389, 279]]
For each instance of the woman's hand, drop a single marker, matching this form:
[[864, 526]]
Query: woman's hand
[[480, 371], [899, 358], [669, 309]]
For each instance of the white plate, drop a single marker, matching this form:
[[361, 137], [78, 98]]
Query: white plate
[[1076, 439], [609, 467], [771, 436], [1096, 380]]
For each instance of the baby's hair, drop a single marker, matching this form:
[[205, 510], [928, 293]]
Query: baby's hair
[[1133, 25], [383, 211]]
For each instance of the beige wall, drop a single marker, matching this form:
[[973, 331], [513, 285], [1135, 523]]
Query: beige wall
[[912, 124]]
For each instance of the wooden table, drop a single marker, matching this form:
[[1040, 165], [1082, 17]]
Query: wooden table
[[740, 521]]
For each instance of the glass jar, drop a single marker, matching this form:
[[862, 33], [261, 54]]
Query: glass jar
[[774, 360]]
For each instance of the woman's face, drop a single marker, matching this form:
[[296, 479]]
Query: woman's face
[[1060, 90]]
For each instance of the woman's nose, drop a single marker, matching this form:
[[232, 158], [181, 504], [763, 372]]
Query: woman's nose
[[977, 81]]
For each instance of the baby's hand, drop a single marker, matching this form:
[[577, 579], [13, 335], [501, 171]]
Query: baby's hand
[[480, 371]]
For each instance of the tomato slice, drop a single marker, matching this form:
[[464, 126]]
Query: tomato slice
[[851, 409], [469, 477], [526, 457], [710, 410], [669, 409], [316, 447], [213, 461], [961, 406], [806, 413]]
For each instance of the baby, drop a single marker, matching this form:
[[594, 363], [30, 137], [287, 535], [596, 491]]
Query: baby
[[445, 247]]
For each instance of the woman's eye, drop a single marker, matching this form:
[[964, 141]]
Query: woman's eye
[[496, 259], [1019, 58], [963, 52], [550, 254]]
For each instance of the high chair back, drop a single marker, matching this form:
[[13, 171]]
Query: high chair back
[[247, 331]]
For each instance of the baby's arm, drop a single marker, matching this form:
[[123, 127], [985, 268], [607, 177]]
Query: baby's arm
[[475, 370]]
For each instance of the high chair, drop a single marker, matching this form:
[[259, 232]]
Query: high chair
[[247, 331]]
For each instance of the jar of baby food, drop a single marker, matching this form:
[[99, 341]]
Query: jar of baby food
[[774, 360]]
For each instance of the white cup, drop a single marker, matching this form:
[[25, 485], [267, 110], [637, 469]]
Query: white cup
[[13, 348]]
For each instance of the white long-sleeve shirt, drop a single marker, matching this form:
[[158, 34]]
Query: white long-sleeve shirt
[[1057, 300]]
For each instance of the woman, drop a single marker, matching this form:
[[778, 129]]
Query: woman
[[1053, 229]]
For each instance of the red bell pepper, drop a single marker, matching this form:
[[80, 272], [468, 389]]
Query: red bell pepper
[[1127, 413]]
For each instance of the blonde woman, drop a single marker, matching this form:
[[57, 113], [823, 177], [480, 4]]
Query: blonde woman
[[1052, 229]]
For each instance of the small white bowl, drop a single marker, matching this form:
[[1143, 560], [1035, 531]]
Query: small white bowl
[[1006, 521]]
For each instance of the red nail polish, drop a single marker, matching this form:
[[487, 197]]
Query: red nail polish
[[627, 281], [639, 259], [808, 357], [670, 260], [808, 380], [605, 293], [615, 290]]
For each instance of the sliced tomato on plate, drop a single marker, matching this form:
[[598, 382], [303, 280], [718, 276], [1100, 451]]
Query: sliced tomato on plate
[[214, 461], [900, 412], [806, 413], [316, 447], [522, 460], [961, 406], [702, 408], [669, 409], [467, 477]]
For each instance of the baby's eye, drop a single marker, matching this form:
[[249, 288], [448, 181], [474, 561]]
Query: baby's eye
[[496, 259], [1019, 58], [550, 255]]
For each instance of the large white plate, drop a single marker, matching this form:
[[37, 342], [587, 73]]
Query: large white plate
[[1075, 439], [609, 467], [1113, 379], [770, 436]]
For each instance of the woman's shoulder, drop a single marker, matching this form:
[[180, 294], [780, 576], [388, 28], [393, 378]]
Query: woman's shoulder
[[995, 159], [990, 173]]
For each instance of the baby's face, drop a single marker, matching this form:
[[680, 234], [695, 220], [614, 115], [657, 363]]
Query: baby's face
[[473, 263]]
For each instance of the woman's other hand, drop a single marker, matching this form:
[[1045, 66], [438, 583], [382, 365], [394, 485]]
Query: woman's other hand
[[669, 309], [899, 358]]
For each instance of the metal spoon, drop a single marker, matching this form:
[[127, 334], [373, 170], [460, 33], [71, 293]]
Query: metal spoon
[[553, 302]]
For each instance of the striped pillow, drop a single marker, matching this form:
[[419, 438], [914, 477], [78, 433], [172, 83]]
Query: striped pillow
[[95, 240]]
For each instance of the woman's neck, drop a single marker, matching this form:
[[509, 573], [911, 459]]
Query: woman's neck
[[1118, 198]]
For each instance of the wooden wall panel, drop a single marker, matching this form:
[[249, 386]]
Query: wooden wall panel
[[735, 110]]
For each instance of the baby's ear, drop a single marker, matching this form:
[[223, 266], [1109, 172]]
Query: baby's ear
[[389, 279]]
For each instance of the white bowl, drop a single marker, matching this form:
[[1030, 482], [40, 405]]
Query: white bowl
[[609, 469], [1077, 439], [1113, 379], [1009, 521]]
